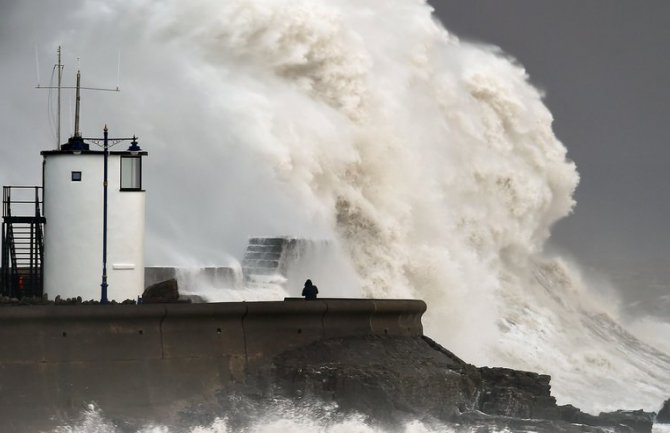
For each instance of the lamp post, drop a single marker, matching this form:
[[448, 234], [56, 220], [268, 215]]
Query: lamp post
[[103, 285], [134, 148]]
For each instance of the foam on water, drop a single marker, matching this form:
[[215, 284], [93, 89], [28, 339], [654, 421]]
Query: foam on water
[[93, 421], [430, 161]]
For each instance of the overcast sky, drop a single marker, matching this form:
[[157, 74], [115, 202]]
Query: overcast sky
[[605, 67]]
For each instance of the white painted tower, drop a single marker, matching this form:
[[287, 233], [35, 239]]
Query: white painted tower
[[94, 207], [73, 208]]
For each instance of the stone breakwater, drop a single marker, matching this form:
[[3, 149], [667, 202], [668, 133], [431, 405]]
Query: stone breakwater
[[176, 364]]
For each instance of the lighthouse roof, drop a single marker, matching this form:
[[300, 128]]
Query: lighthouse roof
[[91, 152]]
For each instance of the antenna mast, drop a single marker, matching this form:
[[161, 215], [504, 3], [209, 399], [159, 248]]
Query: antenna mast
[[78, 87], [60, 78], [76, 106]]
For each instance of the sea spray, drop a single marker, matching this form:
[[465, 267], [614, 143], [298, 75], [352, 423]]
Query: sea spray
[[93, 420], [431, 161], [282, 419]]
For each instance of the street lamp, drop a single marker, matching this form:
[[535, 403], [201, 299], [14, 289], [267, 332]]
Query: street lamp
[[134, 149]]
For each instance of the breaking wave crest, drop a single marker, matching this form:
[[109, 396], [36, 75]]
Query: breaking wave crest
[[430, 161]]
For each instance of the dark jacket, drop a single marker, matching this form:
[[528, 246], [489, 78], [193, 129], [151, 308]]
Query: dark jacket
[[310, 291]]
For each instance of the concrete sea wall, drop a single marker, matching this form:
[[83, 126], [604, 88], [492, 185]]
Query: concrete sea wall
[[149, 362]]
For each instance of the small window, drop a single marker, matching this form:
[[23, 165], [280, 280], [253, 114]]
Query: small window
[[76, 176], [131, 173]]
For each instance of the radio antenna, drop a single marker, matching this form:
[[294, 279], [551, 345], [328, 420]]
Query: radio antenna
[[78, 89], [37, 65], [118, 71]]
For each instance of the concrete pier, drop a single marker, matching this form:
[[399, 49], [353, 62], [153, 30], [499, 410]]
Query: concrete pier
[[148, 362]]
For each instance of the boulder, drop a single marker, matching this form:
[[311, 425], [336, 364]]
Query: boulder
[[168, 292], [165, 291]]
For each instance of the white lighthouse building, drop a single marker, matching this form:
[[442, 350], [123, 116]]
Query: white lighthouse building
[[74, 207], [81, 234]]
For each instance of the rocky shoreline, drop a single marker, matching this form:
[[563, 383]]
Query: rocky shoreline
[[393, 379]]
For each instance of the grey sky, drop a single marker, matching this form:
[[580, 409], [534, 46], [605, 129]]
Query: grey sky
[[605, 67]]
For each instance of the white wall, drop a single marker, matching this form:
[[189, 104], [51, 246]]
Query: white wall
[[73, 235]]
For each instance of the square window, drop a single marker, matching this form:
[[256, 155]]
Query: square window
[[76, 176]]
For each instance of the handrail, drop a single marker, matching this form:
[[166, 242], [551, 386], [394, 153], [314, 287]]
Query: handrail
[[22, 273], [7, 200]]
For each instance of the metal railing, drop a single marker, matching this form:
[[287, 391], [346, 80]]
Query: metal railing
[[22, 241]]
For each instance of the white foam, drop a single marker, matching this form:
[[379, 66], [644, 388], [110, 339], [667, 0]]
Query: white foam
[[93, 421]]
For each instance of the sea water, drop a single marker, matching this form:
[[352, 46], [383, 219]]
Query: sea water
[[93, 421]]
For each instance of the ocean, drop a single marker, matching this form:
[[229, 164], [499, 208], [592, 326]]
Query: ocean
[[93, 421]]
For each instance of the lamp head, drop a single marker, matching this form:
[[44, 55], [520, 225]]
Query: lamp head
[[134, 147]]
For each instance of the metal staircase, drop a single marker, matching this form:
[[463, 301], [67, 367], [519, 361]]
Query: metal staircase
[[22, 242]]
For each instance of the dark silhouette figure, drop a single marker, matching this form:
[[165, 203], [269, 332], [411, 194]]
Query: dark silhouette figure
[[310, 291]]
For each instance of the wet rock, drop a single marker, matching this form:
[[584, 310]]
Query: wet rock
[[518, 394], [165, 291], [663, 416], [384, 378], [638, 420], [571, 414], [391, 379], [478, 422]]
